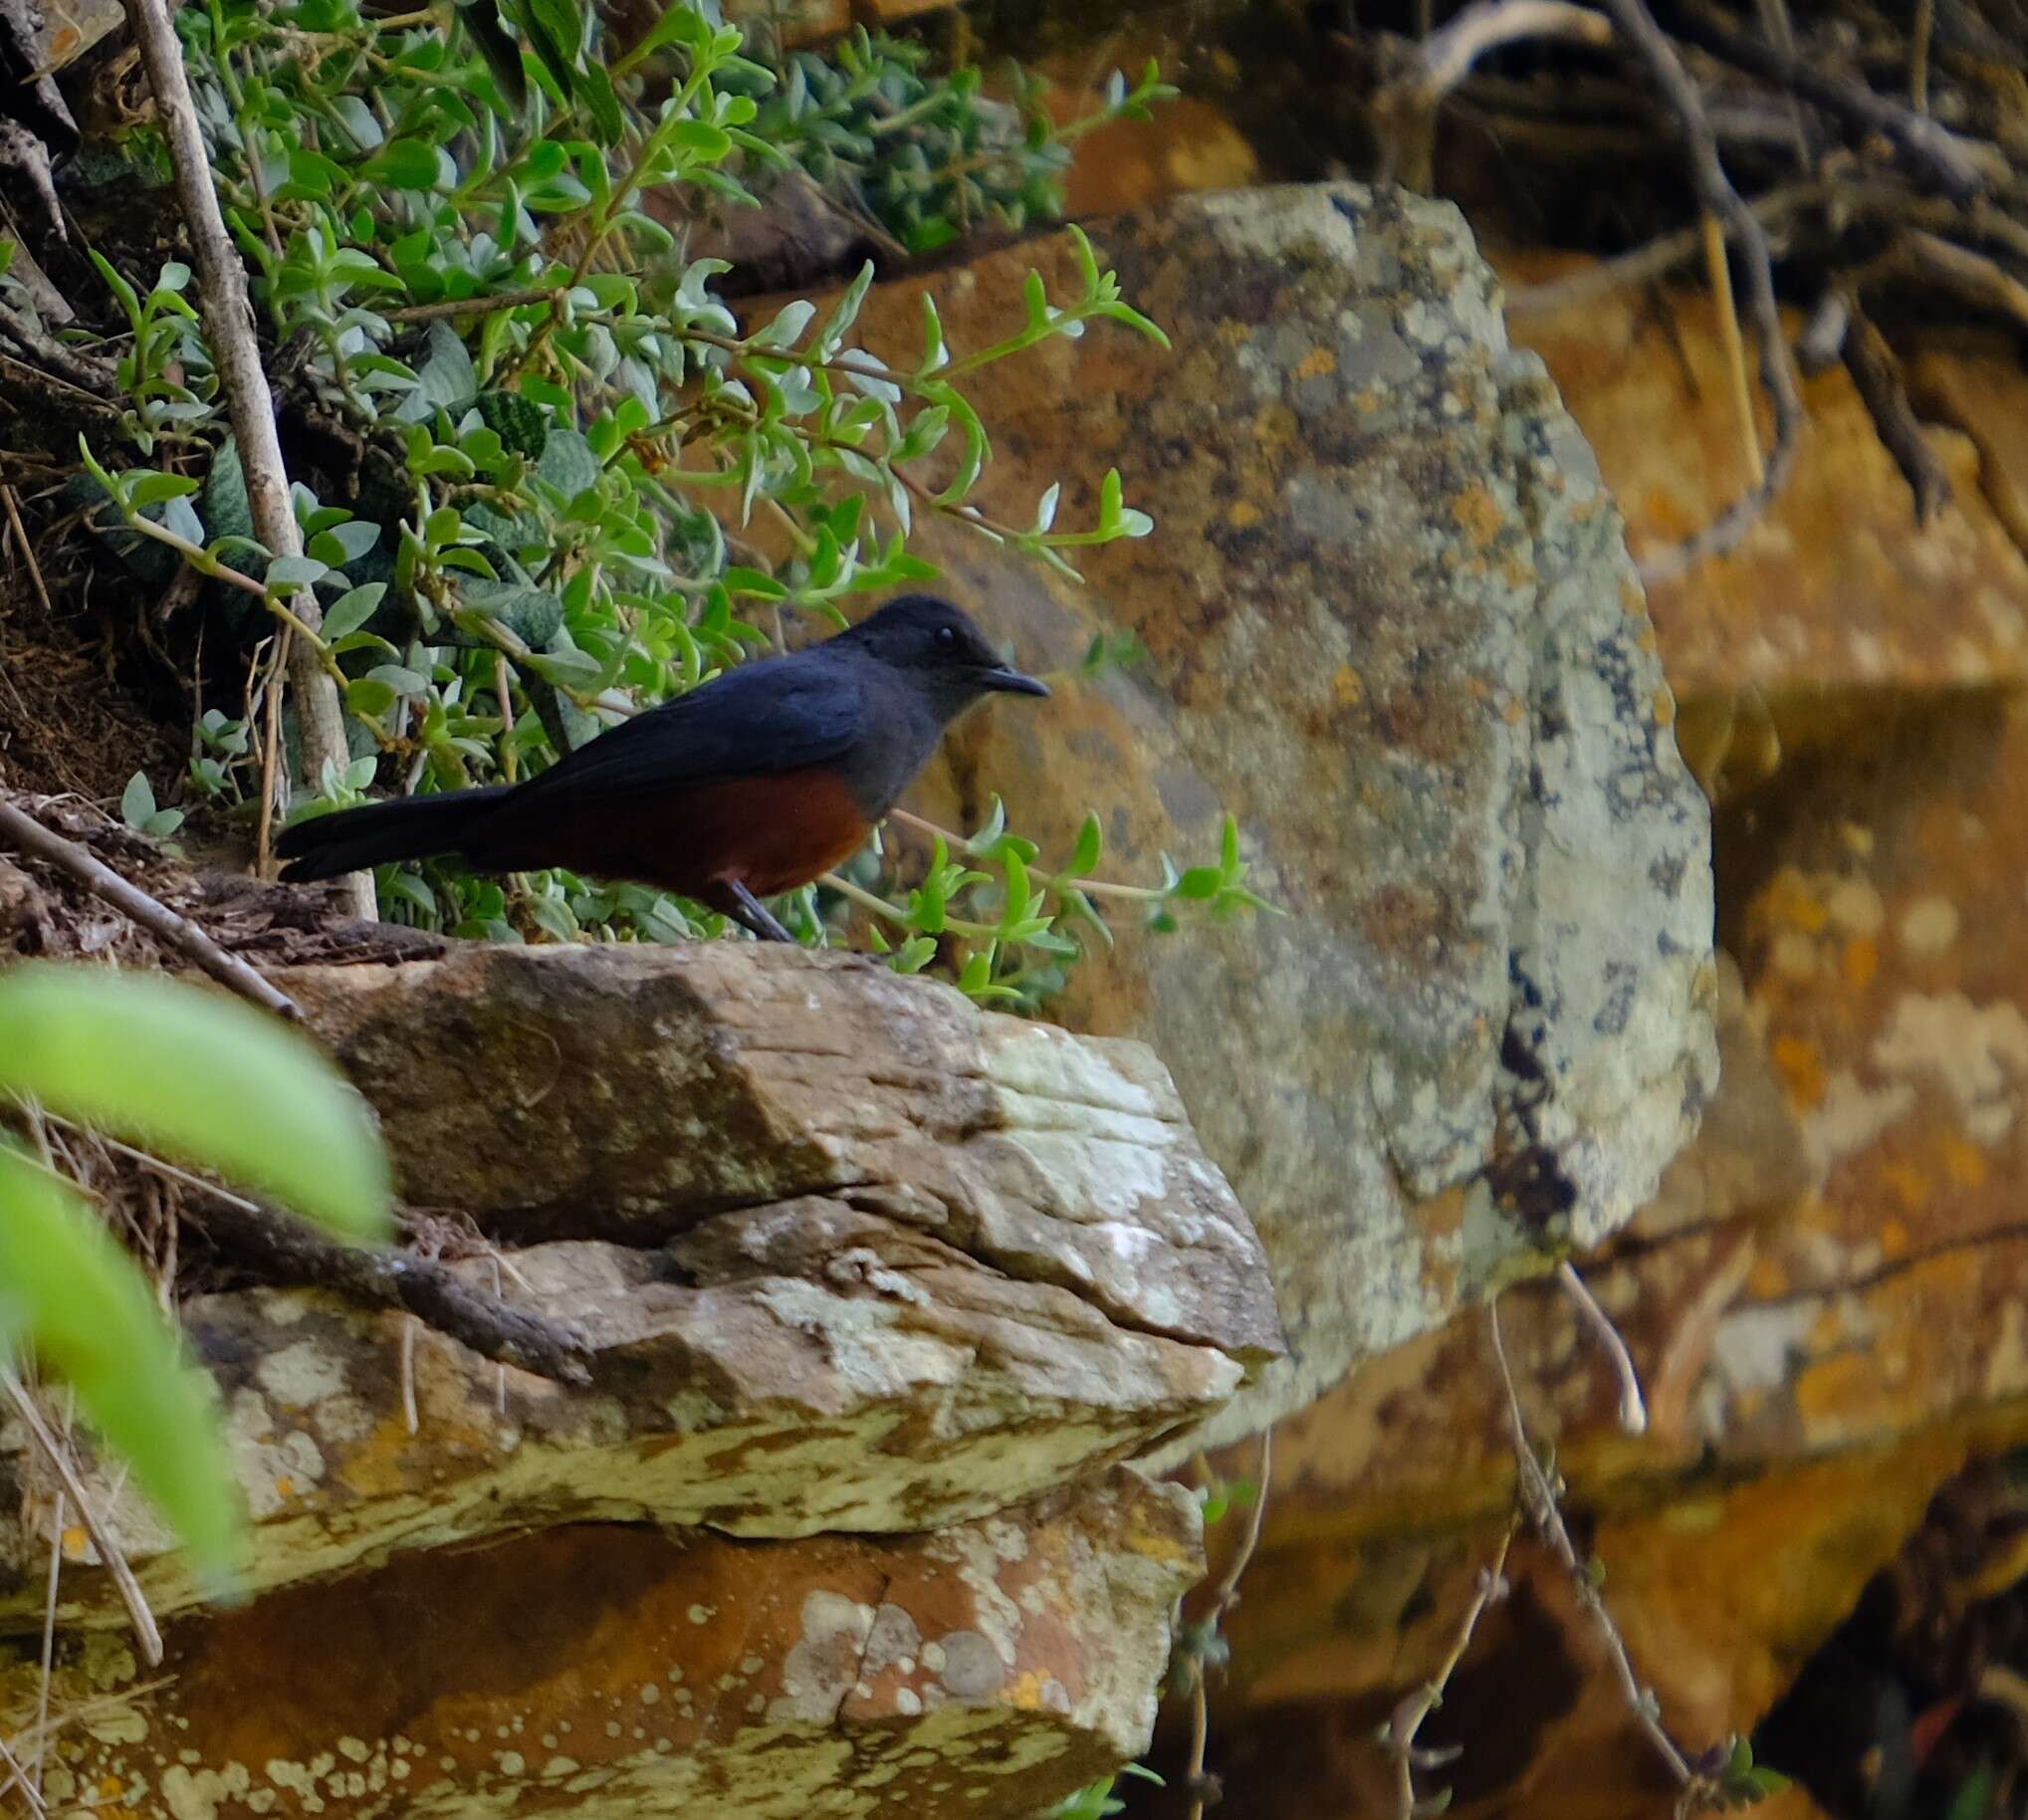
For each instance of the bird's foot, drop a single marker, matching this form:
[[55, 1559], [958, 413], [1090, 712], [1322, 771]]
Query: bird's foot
[[752, 915]]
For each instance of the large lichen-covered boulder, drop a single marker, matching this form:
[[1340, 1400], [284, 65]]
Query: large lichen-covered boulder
[[1391, 625]]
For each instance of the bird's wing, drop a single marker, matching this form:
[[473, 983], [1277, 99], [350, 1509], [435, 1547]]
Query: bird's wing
[[760, 719]]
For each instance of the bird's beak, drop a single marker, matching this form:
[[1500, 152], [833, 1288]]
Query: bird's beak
[[1007, 681]]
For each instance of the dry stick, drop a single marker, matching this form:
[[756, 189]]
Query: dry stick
[[1719, 268], [1224, 1597], [228, 321], [491, 1327], [1878, 377], [1538, 1498], [1919, 55], [27, 549], [1939, 157], [24, 832], [1408, 1718], [1715, 192], [1971, 275], [18, 1776], [146, 1634], [1408, 106], [1632, 1406]]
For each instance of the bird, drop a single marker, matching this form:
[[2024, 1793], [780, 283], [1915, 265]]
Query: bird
[[751, 785]]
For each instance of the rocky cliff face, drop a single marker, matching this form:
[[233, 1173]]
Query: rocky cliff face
[[875, 1292]]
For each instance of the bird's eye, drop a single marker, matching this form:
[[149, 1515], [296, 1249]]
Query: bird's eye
[[947, 634]]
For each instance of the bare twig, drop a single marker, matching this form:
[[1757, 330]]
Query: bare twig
[[1538, 1498], [1715, 192], [1408, 1718], [22, 831], [1225, 1595], [1937, 156], [145, 1630], [432, 1292], [80, 369], [21, 542], [1633, 1407], [1878, 377], [1448, 55], [1971, 275], [228, 324], [1407, 108], [1719, 270], [1919, 55]]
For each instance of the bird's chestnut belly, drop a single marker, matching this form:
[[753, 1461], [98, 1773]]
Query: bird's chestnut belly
[[770, 833]]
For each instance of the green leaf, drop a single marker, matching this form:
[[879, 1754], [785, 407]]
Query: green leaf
[[295, 571], [138, 801], [1090, 844], [200, 1076], [79, 1300], [403, 164]]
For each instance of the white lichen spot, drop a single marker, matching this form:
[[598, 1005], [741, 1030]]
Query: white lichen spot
[[703, 1614], [303, 1375], [561, 1766], [752, 1665], [907, 1702], [650, 1694], [824, 1664], [612, 1728], [354, 1748], [1928, 926], [512, 1762]]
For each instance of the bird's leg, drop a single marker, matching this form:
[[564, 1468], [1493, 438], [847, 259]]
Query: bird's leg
[[736, 902]]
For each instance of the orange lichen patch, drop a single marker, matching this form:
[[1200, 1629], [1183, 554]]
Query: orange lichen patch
[[1767, 1280], [285, 1487], [1910, 1185], [1860, 961], [1664, 708], [1964, 1162], [1319, 363], [1893, 1238], [1243, 515], [76, 1543], [1836, 1389], [1801, 1069], [1348, 687], [1789, 898], [1478, 515]]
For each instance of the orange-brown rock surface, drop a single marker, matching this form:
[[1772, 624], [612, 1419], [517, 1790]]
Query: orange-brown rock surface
[[987, 1669], [1391, 627]]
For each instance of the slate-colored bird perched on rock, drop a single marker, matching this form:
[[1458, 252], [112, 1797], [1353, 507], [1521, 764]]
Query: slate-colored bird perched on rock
[[745, 788]]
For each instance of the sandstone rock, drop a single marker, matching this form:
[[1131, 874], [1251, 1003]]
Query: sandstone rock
[[1825, 1302], [891, 1264], [1837, 597], [1394, 630], [987, 1669]]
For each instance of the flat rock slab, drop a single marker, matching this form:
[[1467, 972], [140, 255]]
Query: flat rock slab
[[1392, 626], [985, 1671], [895, 1263]]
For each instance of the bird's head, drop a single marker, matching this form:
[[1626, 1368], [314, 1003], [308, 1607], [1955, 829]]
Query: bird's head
[[938, 648]]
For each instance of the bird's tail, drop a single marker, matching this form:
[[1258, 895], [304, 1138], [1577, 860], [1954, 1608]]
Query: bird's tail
[[404, 827]]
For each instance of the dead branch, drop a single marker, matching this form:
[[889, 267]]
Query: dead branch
[[1933, 152], [1406, 1718], [1225, 1595], [433, 1293], [1632, 1406], [1972, 275], [1877, 375], [1715, 192], [1538, 1498], [21, 831], [1659, 257], [80, 370], [146, 1632], [228, 323]]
